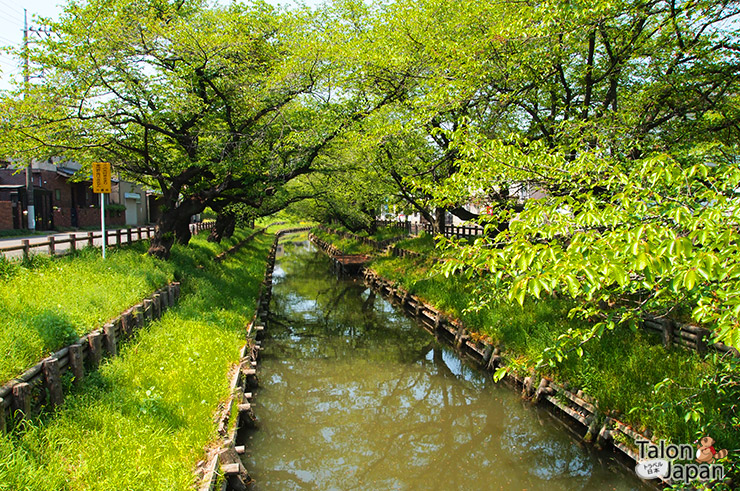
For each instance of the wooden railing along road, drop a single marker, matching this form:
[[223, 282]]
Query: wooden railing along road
[[58, 244]]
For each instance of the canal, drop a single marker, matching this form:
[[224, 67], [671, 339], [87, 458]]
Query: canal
[[355, 395]]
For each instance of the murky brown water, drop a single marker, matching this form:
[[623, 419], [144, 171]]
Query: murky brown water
[[354, 395]]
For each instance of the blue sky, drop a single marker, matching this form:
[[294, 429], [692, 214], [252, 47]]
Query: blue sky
[[11, 28]]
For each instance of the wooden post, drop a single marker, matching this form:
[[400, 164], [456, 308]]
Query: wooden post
[[593, 429], [667, 333], [76, 363], [118, 237], [139, 315], [487, 354], [157, 305], [126, 323], [541, 390], [110, 338], [26, 248], [22, 399], [164, 302], [95, 341], [701, 340], [604, 434], [147, 310], [53, 381], [52, 245], [129, 239], [138, 231], [170, 295], [148, 232], [3, 424], [90, 239]]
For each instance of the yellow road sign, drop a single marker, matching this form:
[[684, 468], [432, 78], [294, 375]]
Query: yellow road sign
[[101, 177]]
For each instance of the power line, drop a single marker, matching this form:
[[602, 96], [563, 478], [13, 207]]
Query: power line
[[11, 7], [2, 38], [10, 16]]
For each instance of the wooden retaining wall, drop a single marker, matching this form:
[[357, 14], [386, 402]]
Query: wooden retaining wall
[[693, 337], [223, 470], [40, 387], [344, 264]]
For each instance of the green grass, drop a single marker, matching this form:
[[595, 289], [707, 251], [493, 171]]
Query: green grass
[[423, 243], [142, 421], [621, 370], [347, 246], [288, 225], [381, 234], [46, 303]]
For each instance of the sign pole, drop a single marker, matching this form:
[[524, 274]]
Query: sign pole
[[102, 219], [102, 185]]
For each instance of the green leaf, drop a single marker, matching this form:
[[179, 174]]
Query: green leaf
[[642, 261]]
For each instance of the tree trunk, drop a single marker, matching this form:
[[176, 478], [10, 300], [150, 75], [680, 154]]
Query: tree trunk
[[182, 230], [439, 223], [173, 223], [230, 227], [161, 242], [224, 227]]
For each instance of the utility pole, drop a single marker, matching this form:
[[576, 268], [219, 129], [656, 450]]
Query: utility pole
[[29, 171]]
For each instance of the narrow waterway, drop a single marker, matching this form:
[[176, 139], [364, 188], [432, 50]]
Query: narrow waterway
[[355, 395]]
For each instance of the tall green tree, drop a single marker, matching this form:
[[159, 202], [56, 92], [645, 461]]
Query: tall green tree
[[624, 118], [206, 104]]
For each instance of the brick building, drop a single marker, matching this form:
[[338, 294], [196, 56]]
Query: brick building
[[63, 202]]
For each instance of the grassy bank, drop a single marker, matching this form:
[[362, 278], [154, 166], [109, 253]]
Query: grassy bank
[[46, 303], [344, 244], [676, 394], [143, 420]]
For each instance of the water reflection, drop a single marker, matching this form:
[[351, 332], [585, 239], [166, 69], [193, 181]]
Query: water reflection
[[356, 396]]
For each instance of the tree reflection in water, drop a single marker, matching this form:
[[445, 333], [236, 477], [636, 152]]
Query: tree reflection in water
[[355, 395]]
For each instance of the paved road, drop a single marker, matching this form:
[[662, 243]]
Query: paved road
[[61, 248]]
